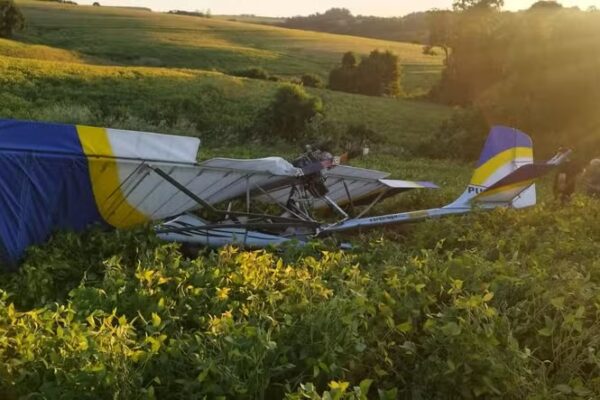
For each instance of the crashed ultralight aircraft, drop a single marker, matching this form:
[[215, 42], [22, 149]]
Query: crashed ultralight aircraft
[[66, 177]]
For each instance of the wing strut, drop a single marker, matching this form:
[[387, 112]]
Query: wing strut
[[350, 201], [218, 212], [373, 203], [184, 190]]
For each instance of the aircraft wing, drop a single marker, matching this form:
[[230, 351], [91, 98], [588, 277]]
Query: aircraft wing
[[157, 190], [352, 185], [67, 177]]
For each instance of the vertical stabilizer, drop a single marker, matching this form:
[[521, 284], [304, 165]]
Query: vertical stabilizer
[[506, 151]]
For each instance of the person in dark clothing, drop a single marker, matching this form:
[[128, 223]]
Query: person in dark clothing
[[565, 181]]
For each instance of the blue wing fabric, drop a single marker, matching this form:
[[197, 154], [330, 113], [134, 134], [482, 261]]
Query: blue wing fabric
[[44, 185]]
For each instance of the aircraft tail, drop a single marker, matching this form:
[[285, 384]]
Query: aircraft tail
[[505, 177]]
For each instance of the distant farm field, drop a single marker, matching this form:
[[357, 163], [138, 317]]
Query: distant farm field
[[132, 37]]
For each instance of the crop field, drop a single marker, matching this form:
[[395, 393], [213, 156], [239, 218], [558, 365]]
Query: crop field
[[129, 37], [207, 104], [492, 305]]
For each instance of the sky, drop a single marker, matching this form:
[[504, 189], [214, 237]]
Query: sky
[[286, 8]]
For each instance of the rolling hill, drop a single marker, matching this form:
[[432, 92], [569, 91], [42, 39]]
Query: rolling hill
[[139, 70], [113, 35]]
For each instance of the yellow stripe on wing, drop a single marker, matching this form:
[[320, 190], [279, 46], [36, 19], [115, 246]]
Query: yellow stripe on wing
[[485, 171], [106, 183]]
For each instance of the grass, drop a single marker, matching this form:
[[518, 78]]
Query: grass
[[183, 101], [129, 37], [493, 305], [11, 48], [101, 65]]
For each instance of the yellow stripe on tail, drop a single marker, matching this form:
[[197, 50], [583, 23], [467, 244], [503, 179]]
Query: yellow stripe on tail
[[484, 172]]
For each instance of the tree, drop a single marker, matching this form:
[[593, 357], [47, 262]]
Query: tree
[[546, 5], [533, 70], [96, 4], [338, 13], [349, 60], [463, 5], [343, 78], [376, 75], [11, 18], [379, 74], [440, 30], [291, 111]]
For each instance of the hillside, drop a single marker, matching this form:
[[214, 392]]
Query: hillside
[[120, 36], [81, 64], [100, 65]]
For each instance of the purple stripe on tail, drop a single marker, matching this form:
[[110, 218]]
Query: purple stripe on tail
[[502, 138]]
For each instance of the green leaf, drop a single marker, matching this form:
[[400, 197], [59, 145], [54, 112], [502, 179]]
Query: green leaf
[[156, 320], [364, 386], [419, 287], [404, 327], [391, 394], [451, 329], [545, 331], [488, 297], [202, 375], [341, 386], [566, 389], [558, 302], [360, 347], [581, 391]]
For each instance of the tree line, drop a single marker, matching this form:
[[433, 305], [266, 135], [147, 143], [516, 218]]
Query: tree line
[[410, 28], [538, 70]]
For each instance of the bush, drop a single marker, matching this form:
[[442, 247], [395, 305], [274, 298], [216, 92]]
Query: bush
[[376, 75], [363, 135], [379, 74], [343, 79], [311, 80], [253, 73], [339, 138], [290, 112], [11, 18], [493, 305]]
